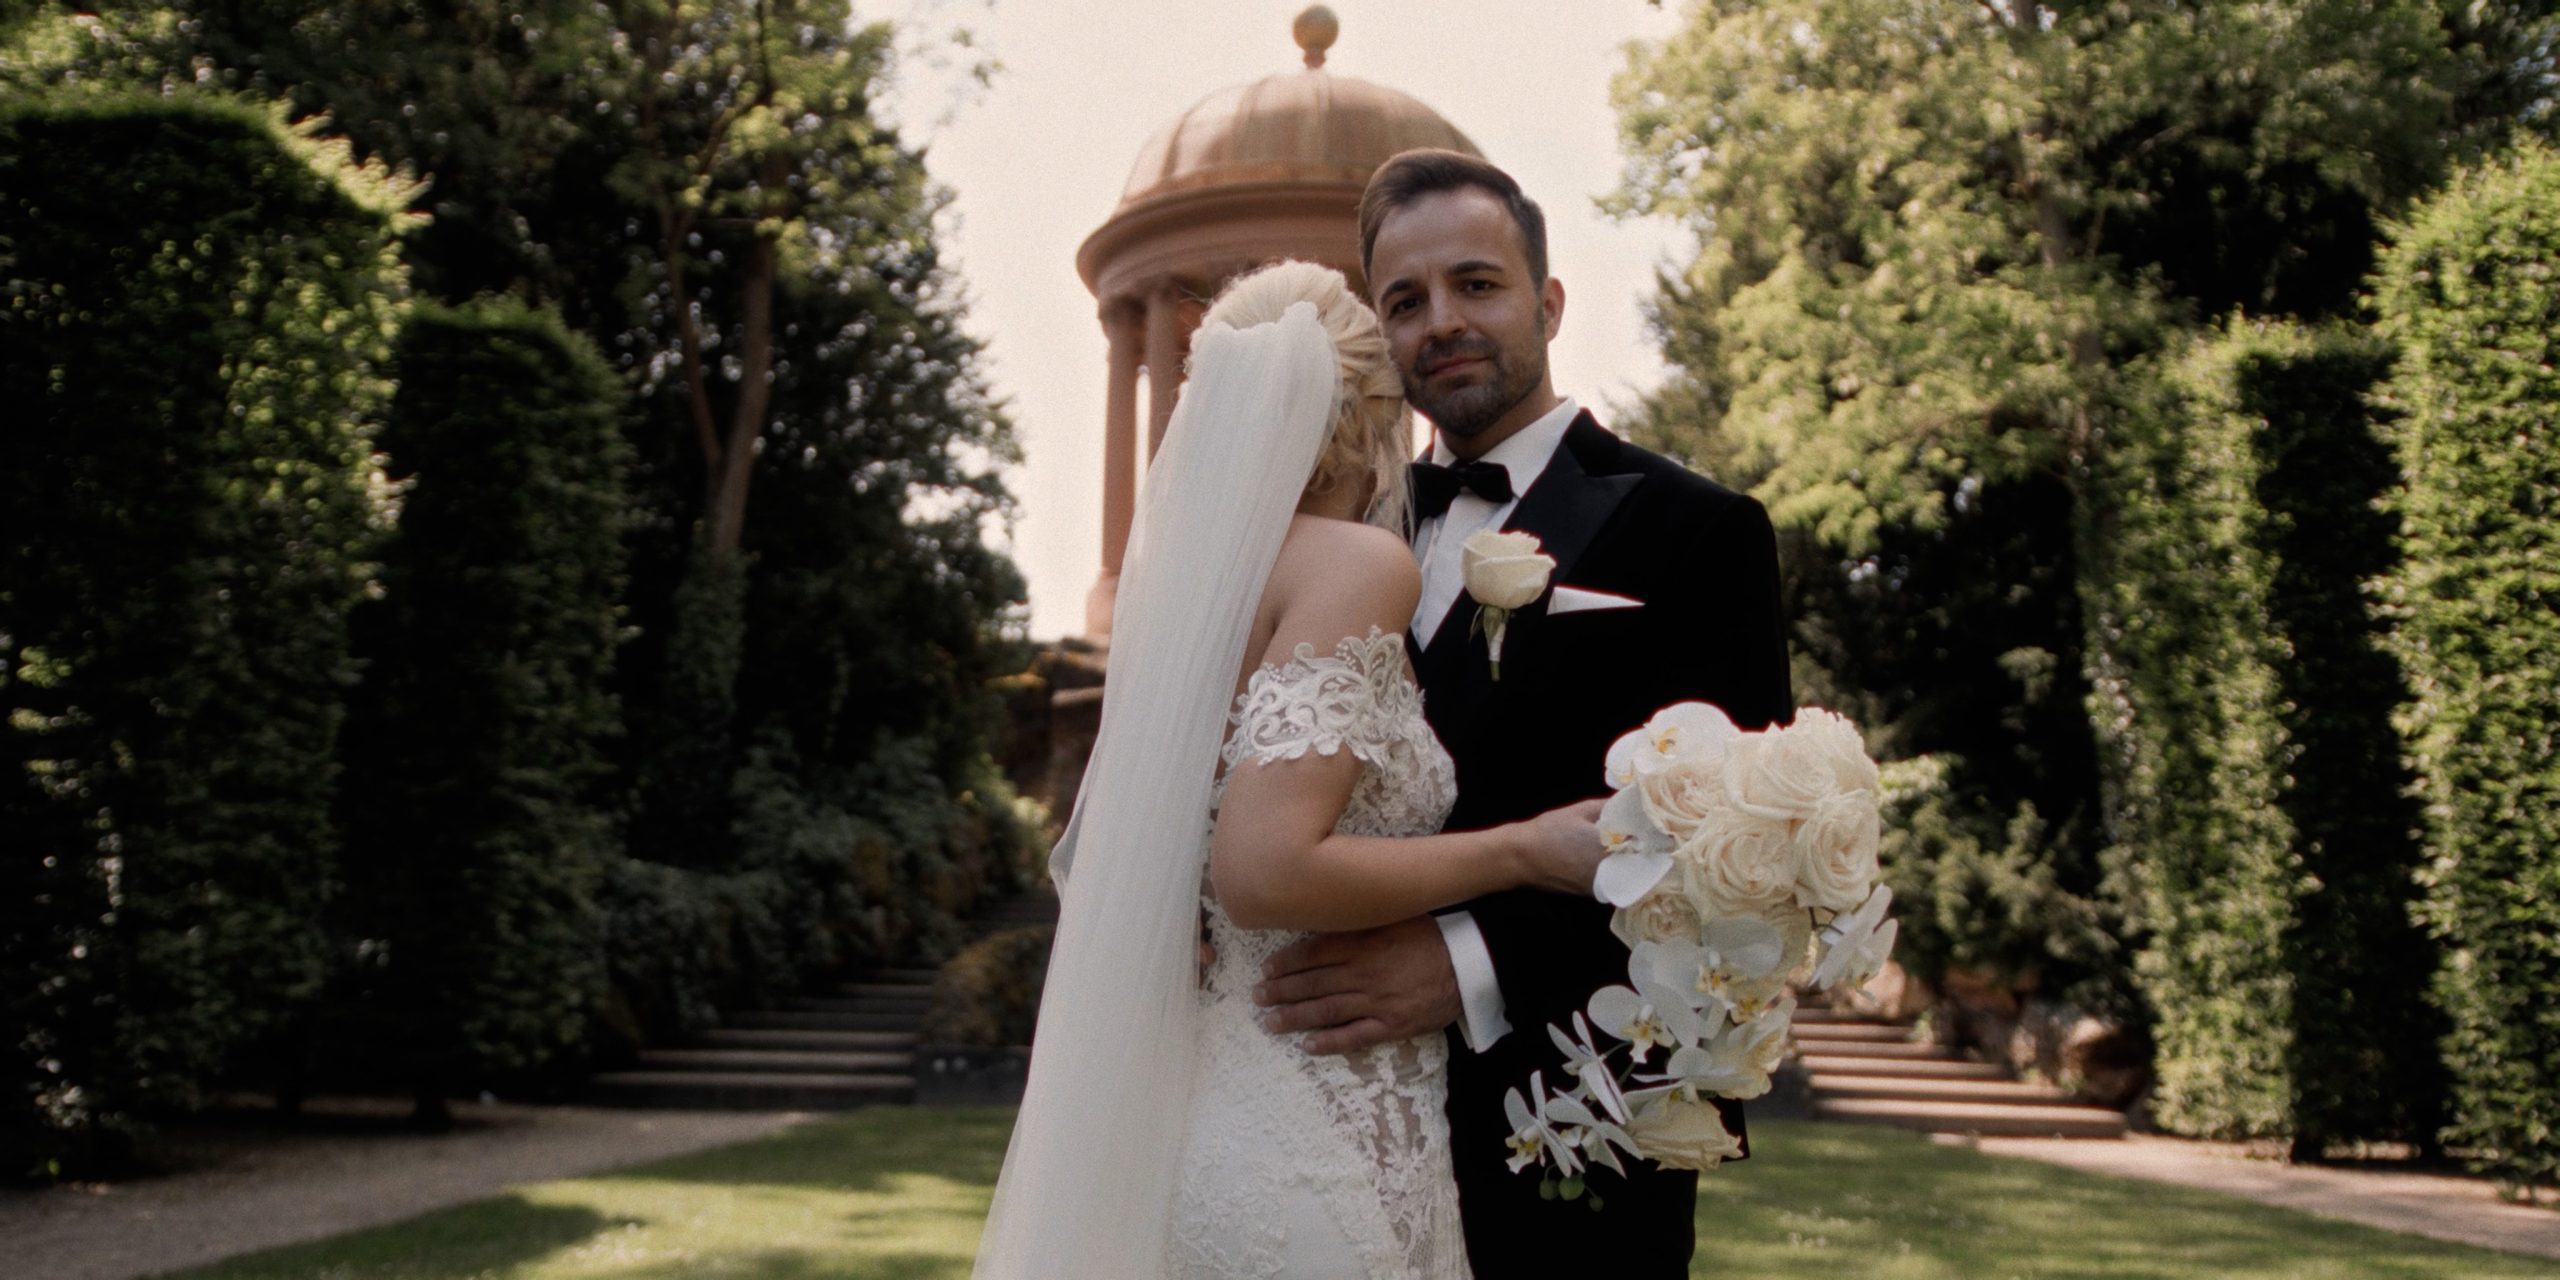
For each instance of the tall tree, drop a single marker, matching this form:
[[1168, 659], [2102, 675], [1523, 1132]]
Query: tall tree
[[1942, 248]]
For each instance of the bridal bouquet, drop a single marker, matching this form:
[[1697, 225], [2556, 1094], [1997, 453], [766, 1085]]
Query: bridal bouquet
[[1735, 858]]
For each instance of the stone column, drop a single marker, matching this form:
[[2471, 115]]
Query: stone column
[[1123, 324], [1166, 339]]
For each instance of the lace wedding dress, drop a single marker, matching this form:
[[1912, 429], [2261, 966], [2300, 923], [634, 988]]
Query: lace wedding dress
[[1293, 1164]]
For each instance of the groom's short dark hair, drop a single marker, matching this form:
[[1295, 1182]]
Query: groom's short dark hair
[[1408, 176]]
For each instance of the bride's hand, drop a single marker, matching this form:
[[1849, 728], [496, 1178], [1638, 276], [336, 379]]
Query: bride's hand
[[1561, 848]]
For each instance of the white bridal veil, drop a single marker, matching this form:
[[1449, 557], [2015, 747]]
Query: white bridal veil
[[1087, 1189]]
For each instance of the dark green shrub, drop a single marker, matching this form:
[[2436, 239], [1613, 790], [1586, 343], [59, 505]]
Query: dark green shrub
[[2185, 702], [195, 304], [2366, 1067], [2262, 809], [476, 824], [2471, 291], [988, 996]]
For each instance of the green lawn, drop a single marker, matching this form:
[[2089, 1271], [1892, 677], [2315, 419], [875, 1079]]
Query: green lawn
[[896, 1194]]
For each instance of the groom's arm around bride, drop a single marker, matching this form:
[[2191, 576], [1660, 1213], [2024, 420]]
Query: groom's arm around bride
[[1664, 590]]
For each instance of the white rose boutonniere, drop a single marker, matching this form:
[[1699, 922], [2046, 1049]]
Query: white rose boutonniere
[[1504, 572]]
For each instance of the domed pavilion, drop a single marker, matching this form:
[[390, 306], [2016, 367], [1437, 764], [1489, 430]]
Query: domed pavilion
[[1271, 169]]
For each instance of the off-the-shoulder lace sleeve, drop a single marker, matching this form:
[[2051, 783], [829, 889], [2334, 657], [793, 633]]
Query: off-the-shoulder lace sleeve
[[1357, 699]]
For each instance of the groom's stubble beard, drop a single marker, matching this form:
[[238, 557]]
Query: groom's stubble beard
[[1467, 412]]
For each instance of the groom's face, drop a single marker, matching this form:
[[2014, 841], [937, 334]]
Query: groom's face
[[1466, 324]]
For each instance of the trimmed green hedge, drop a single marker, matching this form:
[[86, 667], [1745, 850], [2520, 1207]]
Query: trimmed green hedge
[[2471, 291], [477, 821], [2365, 1061], [2259, 800], [2185, 701], [196, 302]]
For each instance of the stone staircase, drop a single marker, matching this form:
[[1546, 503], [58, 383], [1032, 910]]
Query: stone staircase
[[1873, 1071], [854, 1046]]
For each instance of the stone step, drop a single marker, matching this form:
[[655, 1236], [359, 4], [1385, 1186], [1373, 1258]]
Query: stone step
[[1847, 1032], [810, 1020], [1906, 1068], [1909, 1050], [801, 1061], [913, 1006], [751, 1090], [1816, 1013], [817, 1041], [1984, 1118], [1906, 1089], [906, 977], [886, 990]]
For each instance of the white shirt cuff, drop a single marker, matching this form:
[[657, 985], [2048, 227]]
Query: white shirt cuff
[[1479, 992]]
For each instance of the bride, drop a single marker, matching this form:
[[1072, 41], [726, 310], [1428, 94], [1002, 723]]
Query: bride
[[1163, 1132]]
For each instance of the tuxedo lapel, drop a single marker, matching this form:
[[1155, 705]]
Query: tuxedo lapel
[[1565, 507], [1572, 500]]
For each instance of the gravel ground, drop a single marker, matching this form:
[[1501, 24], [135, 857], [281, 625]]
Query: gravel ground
[[2440, 1206], [246, 1186]]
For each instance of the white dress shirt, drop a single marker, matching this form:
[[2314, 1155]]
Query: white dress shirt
[[1435, 543]]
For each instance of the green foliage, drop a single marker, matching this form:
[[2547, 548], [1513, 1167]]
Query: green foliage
[[988, 996], [1952, 256], [476, 816], [879, 867], [2469, 292], [199, 302], [2257, 801], [2365, 1065]]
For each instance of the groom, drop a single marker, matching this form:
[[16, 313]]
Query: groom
[[1665, 589]]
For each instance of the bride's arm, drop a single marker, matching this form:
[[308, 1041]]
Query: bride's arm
[[1275, 860]]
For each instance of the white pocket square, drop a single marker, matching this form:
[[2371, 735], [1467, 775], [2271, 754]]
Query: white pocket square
[[1578, 599]]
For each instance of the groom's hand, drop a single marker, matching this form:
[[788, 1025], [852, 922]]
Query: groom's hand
[[1358, 990]]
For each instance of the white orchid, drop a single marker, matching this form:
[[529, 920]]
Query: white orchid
[[1683, 731], [1590, 1133], [1639, 851], [1631, 1017], [1589, 1064], [1856, 943], [1733, 959], [1533, 1139]]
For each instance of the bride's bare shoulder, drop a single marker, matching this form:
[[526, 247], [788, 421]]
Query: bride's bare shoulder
[[1335, 578]]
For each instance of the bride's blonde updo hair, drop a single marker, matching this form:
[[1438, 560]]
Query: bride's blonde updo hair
[[1372, 434]]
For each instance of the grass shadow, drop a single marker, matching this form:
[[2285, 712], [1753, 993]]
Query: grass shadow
[[490, 1237]]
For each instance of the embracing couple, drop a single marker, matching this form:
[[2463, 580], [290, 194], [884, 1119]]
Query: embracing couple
[[1376, 790]]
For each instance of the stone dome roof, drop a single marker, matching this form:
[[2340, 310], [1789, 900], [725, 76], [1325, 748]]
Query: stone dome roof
[[1297, 126]]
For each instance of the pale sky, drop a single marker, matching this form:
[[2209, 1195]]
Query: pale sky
[[1037, 161]]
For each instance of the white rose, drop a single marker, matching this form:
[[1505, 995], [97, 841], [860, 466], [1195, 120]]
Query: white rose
[[1660, 916], [1838, 741], [1505, 570], [1783, 775], [1682, 795], [1836, 852], [1677, 1134], [1737, 864]]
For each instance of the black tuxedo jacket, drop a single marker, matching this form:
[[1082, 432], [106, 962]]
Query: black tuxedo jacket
[[1702, 559]]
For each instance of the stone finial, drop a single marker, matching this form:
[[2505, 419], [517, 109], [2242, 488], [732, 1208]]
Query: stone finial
[[1316, 29]]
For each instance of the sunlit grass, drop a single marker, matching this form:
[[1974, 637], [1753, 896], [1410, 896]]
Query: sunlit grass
[[897, 1194]]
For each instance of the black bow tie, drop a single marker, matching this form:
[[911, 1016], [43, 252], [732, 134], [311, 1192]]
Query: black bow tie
[[1436, 486]]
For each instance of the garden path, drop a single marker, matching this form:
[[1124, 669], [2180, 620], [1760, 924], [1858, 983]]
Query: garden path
[[2437, 1205], [350, 1166]]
